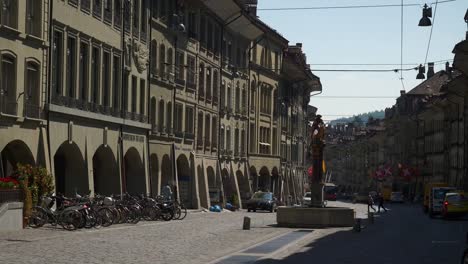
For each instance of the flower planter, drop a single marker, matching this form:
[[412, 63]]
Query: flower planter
[[10, 195]]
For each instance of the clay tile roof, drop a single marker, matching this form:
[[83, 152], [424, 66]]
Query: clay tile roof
[[432, 85]]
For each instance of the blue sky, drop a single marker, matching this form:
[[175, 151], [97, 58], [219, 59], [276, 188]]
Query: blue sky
[[367, 35]]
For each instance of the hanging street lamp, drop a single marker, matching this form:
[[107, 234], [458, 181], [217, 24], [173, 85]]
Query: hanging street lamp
[[426, 14], [420, 75]]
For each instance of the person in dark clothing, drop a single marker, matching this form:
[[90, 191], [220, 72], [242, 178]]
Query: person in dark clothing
[[370, 203], [381, 202]]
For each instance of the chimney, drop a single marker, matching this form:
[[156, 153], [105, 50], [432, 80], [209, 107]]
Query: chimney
[[250, 6], [430, 70], [402, 92], [299, 45], [448, 69]]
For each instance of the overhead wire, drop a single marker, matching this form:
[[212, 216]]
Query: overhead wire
[[346, 7], [430, 34]]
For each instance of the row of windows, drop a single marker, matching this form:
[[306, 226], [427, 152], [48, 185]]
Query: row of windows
[[8, 82], [134, 13], [9, 16], [91, 72], [239, 140]]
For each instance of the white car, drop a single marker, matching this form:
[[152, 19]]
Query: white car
[[396, 197], [306, 199]]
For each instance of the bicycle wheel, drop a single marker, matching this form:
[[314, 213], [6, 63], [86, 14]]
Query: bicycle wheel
[[107, 217], [167, 214], [183, 212], [38, 217], [71, 220], [177, 213], [134, 215]]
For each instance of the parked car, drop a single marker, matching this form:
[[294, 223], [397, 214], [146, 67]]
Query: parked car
[[455, 204], [330, 196], [360, 197], [262, 201], [437, 197], [396, 197], [306, 199]]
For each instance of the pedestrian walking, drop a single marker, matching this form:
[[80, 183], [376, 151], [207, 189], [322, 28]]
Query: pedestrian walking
[[370, 203], [167, 192], [381, 203]]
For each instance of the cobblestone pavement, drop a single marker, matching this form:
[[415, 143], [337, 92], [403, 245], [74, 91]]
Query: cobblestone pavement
[[199, 238]]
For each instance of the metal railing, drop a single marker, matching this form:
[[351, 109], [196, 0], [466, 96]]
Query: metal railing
[[33, 111], [8, 105], [189, 136], [179, 134], [86, 5]]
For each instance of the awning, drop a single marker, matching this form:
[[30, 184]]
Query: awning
[[230, 11]]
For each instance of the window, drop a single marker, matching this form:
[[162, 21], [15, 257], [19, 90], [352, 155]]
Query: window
[[244, 101], [97, 8], [238, 98], [95, 62], [153, 113], [161, 116], [180, 74], [57, 62], [201, 81], [33, 17], [189, 120], [229, 52], [215, 87], [191, 72], [229, 98], [207, 130], [203, 30], [214, 132], [71, 67], [126, 17], [144, 20], [154, 9], [9, 13], [208, 83], [125, 90], [86, 5], [117, 13], [209, 32], [222, 137], [116, 82], [136, 16], [169, 118], [200, 129], [217, 37], [170, 65], [252, 133], [106, 78], [162, 62], [142, 96], [223, 95], [242, 147], [277, 62], [154, 57], [178, 117], [238, 56], [84, 66], [108, 11], [8, 84], [32, 83], [236, 141], [192, 26], [228, 138], [134, 94]]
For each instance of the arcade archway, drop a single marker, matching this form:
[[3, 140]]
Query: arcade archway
[[70, 170], [105, 171]]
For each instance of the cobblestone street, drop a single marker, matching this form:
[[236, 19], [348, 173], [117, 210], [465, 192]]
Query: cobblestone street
[[199, 238]]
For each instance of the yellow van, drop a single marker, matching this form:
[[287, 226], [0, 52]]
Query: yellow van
[[428, 191]]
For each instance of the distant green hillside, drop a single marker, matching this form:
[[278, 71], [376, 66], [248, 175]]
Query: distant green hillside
[[360, 119]]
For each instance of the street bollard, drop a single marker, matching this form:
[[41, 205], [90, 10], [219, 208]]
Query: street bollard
[[357, 225], [246, 223], [371, 217]]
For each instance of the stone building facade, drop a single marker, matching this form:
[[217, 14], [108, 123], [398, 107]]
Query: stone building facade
[[131, 95]]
